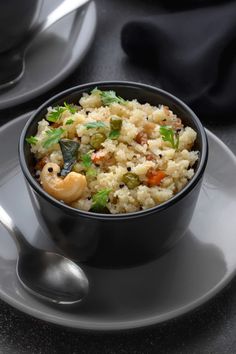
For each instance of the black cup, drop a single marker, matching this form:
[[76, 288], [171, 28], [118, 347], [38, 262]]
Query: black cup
[[16, 19], [123, 239]]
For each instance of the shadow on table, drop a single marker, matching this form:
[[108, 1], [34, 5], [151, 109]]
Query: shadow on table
[[201, 330]]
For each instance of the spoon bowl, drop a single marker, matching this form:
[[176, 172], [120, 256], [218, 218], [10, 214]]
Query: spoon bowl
[[49, 276]]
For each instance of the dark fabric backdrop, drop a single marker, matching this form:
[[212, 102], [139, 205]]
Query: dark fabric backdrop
[[192, 52]]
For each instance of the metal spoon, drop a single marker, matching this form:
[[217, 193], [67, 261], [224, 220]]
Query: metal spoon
[[12, 62], [47, 275]]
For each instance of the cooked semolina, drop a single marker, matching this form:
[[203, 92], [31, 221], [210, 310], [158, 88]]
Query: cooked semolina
[[113, 156]]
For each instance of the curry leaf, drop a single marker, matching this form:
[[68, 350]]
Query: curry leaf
[[69, 149]]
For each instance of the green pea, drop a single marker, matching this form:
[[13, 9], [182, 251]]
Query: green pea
[[131, 180], [115, 123], [97, 139]]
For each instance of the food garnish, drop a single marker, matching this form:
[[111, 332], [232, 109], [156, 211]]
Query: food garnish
[[86, 160], [31, 140], [70, 107], [57, 111], [169, 135], [55, 114], [69, 121], [108, 97], [69, 149], [87, 163], [100, 200], [95, 125], [54, 135]]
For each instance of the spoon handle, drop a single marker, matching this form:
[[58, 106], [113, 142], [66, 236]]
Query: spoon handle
[[62, 10], [13, 230]]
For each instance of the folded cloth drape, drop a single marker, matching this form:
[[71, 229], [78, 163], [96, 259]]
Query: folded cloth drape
[[193, 53]]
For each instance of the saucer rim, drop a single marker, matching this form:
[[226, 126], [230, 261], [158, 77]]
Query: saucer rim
[[121, 325]]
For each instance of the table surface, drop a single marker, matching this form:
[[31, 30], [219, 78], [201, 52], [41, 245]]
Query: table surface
[[209, 329]]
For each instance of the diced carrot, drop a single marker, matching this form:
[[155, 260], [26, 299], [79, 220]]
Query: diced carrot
[[96, 159], [154, 177], [99, 156]]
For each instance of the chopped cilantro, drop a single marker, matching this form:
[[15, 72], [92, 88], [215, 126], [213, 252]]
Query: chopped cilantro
[[92, 125], [96, 91], [87, 163], [31, 140], [57, 111], [169, 135], [54, 135], [91, 172], [70, 107], [86, 160], [69, 121], [108, 97], [55, 114], [100, 200]]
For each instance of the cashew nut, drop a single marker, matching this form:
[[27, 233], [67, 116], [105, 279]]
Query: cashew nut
[[68, 189]]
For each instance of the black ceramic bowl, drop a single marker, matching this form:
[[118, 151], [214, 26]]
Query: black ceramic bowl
[[121, 239]]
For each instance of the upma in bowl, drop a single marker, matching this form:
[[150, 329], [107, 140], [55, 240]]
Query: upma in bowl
[[107, 154], [137, 155]]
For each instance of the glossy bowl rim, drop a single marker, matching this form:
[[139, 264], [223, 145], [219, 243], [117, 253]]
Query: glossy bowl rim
[[91, 215]]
